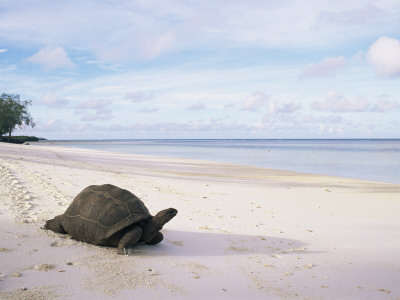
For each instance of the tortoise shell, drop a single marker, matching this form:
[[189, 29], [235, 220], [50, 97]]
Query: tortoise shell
[[100, 211]]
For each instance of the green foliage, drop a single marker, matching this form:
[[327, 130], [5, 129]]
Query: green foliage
[[14, 113], [20, 139]]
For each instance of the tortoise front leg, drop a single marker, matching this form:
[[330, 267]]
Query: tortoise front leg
[[129, 239], [157, 239]]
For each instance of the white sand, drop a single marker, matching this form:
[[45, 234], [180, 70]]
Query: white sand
[[241, 232]]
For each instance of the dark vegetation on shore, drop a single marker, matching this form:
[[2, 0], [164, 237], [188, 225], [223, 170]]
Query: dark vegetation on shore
[[20, 139]]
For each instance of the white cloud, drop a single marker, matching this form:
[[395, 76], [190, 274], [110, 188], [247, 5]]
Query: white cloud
[[101, 112], [94, 104], [196, 106], [384, 55], [229, 105], [98, 115], [290, 107], [337, 103], [329, 119], [148, 29], [332, 119], [206, 125], [3, 50], [137, 45], [138, 96], [53, 101], [385, 105], [256, 102], [52, 57], [310, 119], [326, 67], [147, 110], [358, 15], [154, 46]]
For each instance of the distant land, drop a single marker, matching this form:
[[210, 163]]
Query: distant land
[[21, 139]]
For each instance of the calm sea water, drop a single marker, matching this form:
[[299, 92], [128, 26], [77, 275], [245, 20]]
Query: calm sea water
[[377, 160]]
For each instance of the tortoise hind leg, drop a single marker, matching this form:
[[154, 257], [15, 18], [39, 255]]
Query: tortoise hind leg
[[129, 239]]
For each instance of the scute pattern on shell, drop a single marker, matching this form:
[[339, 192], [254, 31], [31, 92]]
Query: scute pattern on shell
[[99, 211]]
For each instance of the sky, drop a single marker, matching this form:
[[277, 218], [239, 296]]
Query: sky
[[126, 69]]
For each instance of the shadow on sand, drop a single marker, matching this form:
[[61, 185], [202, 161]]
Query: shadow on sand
[[184, 243]]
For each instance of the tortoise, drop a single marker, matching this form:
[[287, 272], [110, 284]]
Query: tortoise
[[107, 215]]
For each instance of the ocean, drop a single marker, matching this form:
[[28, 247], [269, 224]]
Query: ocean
[[370, 159]]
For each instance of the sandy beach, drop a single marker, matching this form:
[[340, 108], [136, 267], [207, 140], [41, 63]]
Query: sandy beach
[[240, 233]]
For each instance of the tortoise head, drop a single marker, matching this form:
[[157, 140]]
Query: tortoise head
[[156, 223], [165, 216]]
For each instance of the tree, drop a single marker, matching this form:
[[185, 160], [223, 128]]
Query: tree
[[14, 113]]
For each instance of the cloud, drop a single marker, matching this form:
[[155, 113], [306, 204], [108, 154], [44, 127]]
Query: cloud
[[326, 67], [3, 50], [58, 126], [255, 102], [156, 45], [206, 125], [98, 115], [358, 15], [134, 45], [384, 55], [101, 112], [146, 30], [331, 119], [196, 106], [338, 103], [147, 110], [138, 96], [310, 119], [52, 125], [53, 101], [94, 104], [51, 57], [229, 105], [385, 105], [288, 108]]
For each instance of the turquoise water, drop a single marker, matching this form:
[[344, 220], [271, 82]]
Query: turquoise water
[[377, 160]]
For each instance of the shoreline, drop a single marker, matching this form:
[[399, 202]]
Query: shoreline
[[240, 231], [215, 162]]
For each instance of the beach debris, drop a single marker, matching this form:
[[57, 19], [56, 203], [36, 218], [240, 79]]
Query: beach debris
[[300, 249], [196, 275], [44, 267], [4, 250], [107, 215], [153, 273], [238, 249], [206, 227], [309, 266], [176, 243]]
